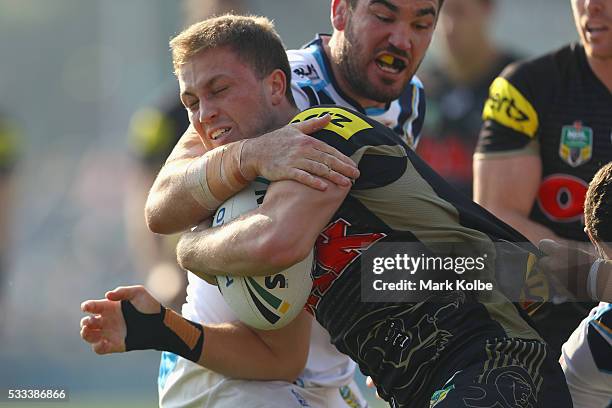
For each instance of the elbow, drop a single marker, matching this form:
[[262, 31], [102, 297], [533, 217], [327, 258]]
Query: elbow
[[292, 366], [155, 222], [185, 255], [292, 373]]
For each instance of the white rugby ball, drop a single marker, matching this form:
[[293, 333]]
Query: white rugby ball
[[263, 302]]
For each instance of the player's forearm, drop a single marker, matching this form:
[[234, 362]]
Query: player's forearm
[[235, 350], [231, 349], [534, 231], [170, 207], [248, 246]]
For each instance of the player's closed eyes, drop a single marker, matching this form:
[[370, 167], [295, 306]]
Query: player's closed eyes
[[218, 91]]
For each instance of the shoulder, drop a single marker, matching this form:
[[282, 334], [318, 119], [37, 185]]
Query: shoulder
[[307, 64], [522, 92], [380, 153], [348, 126], [541, 71]]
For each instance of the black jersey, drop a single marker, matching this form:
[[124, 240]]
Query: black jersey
[[553, 106], [398, 198], [454, 118]]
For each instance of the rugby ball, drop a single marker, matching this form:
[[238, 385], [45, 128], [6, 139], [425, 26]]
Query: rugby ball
[[263, 302]]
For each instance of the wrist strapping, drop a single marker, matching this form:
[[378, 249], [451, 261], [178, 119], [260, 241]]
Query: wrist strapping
[[216, 176], [195, 180], [163, 331]]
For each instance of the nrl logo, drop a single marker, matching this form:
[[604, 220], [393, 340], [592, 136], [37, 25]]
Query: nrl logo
[[576, 145]]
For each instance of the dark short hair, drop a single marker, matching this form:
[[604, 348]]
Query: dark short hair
[[252, 38], [598, 205]]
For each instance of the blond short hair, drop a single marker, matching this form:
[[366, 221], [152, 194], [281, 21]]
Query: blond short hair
[[252, 38]]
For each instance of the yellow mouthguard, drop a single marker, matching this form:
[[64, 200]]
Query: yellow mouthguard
[[387, 59]]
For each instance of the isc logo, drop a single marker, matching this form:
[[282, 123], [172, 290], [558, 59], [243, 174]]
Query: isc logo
[[272, 282], [343, 122]]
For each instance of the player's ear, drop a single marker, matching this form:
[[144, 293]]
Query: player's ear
[[339, 14], [276, 85]]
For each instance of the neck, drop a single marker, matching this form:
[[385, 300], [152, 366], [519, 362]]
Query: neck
[[329, 45], [602, 68], [469, 67], [284, 114]]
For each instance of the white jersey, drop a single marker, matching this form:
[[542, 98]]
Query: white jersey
[[325, 367], [586, 360], [313, 83]]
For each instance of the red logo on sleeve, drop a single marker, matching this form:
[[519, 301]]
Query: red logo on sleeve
[[561, 197], [335, 252]]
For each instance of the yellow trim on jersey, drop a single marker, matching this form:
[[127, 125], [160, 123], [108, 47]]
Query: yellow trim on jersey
[[507, 106], [343, 122]]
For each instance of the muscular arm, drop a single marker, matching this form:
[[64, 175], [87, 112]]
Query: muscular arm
[[508, 186], [262, 242], [238, 351], [170, 207], [232, 349], [284, 154]]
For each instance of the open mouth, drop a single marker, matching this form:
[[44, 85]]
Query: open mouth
[[214, 135], [391, 64], [593, 28]]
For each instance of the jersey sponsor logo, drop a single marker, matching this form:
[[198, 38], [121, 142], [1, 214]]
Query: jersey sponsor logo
[[343, 122], [507, 106], [307, 71], [336, 250], [561, 197], [576, 146]]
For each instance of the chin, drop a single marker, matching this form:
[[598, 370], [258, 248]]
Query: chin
[[599, 52]]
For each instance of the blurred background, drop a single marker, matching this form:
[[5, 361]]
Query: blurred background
[[72, 75]]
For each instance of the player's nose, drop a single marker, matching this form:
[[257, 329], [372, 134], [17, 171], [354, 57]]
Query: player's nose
[[207, 112], [399, 38]]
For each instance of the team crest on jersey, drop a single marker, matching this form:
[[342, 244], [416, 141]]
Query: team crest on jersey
[[576, 145]]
